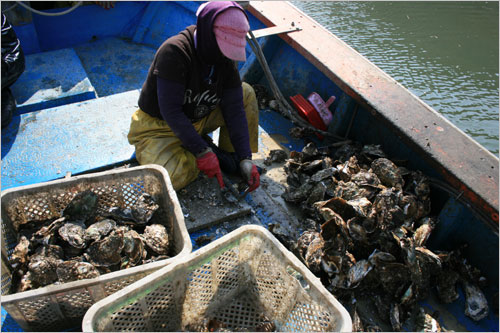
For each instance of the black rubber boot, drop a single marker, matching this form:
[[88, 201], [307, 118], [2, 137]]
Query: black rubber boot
[[8, 107]]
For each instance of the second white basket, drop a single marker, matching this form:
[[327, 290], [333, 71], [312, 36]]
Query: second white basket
[[245, 279]]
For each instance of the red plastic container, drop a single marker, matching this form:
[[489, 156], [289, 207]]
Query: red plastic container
[[308, 111]]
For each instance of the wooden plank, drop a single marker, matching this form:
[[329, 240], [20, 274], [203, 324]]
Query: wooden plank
[[203, 206]]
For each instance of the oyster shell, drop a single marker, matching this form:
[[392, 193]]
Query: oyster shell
[[133, 248], [74, 234], [20, 254], [423, 232], [43, 270], [476, 305], [358, 272], [106, 252], [446, 285], [47, 234], [156, 238], [140, 213], [83, 207], [276, 156], [387, 172], [99, 229], [73, 270], [53, 251], [426, 323], [314, 254], [395, 317]]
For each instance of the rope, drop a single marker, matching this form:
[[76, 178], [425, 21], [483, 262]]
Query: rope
[[49, 14], [284, 107], [10, 8]]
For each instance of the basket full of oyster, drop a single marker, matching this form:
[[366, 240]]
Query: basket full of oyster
[[71, 242]]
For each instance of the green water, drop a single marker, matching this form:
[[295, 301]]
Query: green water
[[444, 52]]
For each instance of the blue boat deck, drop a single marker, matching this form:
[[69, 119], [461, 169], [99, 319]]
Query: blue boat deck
[[62, 125], [76, 98]]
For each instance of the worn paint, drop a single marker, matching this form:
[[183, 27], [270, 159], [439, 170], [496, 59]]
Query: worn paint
[[84, 131], [47, 83]]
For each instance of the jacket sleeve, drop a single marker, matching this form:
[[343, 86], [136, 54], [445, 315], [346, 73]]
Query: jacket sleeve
[[236, 121], [170, 98]]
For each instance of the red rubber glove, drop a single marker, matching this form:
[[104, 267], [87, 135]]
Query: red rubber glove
[[208, 163], [250, 173]]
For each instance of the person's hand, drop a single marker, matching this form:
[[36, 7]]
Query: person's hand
[[250, 173], [208, 163]]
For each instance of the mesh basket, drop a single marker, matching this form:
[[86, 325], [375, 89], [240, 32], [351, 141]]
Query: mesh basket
[[241, 281], [63, 306]]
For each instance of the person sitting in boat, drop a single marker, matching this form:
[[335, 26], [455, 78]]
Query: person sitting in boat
[[192, 88]]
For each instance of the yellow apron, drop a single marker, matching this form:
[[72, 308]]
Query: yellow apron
[[156, 143]]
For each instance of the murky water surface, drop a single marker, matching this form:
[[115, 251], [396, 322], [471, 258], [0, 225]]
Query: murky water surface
[[444, 52]]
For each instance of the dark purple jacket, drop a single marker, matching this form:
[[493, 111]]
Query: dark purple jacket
[[171, 93]]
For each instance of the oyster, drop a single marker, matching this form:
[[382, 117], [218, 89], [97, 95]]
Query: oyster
[[133, 248], [299, 194], [372, 151], [20, 254], [140, 214], [47, 234], [395, 317], [476, 306], [42, 270], [99, 229], [394, 277], [358, 272], [53, 251], [276, 156], [317, 194], [74, 234], [387, 172], [314, 254], [361, 206], [446, 285], [323, 174], [305, 241], [423, 231], [73, 270], [426, 323], [106, 252], [156, 238], [83, 207]]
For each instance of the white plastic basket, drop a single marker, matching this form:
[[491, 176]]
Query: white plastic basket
[[236, 280], [57, 307]]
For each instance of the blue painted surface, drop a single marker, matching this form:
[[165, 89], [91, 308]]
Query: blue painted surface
[[44, 145], [9, 324], [456, 310], [457, 226], [51, 79], [28, 38], [278, 127], [87, 23], [168, 21], [115, 65]]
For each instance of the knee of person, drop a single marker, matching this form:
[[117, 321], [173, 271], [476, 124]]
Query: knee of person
[[248, 92], [179, 181]]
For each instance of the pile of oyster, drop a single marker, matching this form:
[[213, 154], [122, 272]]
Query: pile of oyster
[[82, 243], [366, 225]]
